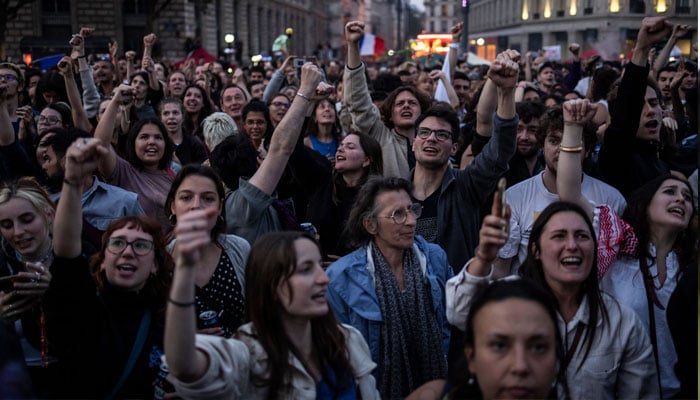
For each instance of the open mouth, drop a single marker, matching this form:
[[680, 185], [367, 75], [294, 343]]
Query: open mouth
[[652, 124], [339, 158], [406, 114], [126, 268], [23, 243], [677, 211], [430, 150], [319, 296], [572, 261]]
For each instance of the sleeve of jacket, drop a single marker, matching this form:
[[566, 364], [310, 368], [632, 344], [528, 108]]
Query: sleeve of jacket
[[637, 378], [459, 293], [616, 155], [365, 115], [493, 160], [228, 374], [274, 86], [91, 97], [336, 303]]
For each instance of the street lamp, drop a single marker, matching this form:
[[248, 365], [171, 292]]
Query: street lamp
[[229, 39]]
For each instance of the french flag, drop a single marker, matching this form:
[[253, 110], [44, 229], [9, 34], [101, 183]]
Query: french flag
[[371, 45]]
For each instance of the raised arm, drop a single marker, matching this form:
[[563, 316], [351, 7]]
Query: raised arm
[[81, 160], [105, 129], [488, 101], [460, 289], [576, 114], [275, 84], [113, 50], [185, 362], [354, 31], [147, 63], [452, 54], [677, 32], [528, 66], [91, 97], [130, 56], [678, 108], [285, 136], [444, 82], [80, 118], [504, 74]]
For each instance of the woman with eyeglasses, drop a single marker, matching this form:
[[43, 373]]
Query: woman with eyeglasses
[[278, 105], [392, 288], [324, 132], [105, 314]]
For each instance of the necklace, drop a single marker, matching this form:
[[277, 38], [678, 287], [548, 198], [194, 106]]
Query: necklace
[[41, 260]]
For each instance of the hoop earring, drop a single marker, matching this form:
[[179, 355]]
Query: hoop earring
[[173, 219], [220, 220]]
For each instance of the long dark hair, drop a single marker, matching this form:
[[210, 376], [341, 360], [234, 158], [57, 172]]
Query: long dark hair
[[131, 146], [636, 214], [271, 262], [503, 290], [206, 172], [194, 123], [373, 151], [533, 270], [336, 131]]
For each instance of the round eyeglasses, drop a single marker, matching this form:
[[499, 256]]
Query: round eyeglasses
[[400, 215], [139, 246]]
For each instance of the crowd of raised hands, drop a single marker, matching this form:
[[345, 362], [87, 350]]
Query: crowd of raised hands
[[315, 229]]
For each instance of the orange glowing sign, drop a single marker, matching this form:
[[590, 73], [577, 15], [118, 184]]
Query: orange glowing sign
[[431, 43]]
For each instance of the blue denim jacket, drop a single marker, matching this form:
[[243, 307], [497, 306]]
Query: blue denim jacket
[[353, 299]]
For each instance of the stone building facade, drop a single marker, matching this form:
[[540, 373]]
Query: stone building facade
[[608, 26], [45, 26]]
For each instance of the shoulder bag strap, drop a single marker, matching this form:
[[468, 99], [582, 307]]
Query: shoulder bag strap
[[135, 351]]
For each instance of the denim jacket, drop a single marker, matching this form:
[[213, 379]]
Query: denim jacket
[[353, 299]]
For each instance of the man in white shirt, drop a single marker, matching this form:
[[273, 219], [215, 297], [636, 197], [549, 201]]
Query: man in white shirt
[[529, 197]]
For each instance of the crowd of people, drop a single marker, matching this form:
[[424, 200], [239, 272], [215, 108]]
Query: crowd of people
[[314, 230]]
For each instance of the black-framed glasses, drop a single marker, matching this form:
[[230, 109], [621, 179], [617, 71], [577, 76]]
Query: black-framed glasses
[[400, 215], [141, 247], [51, 119], [279, 104], [440, 134]]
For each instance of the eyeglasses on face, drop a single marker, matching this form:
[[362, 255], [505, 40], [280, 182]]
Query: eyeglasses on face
[[440, 134], [280, 104], [400, 215], [51, 119], [8, 77], [141, 247]]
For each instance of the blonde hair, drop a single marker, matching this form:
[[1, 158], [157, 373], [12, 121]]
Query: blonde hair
[[217, 127]]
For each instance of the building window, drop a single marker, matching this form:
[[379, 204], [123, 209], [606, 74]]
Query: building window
[[55, 6], [683, 6], [135, 7], [637, 7], [445, 10]]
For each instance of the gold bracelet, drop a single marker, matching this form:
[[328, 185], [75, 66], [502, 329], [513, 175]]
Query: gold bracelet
[[571, 149]]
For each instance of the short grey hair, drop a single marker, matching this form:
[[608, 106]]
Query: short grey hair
[[217, 127]]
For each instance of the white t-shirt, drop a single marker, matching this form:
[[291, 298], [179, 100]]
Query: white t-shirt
[[528, 198]]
